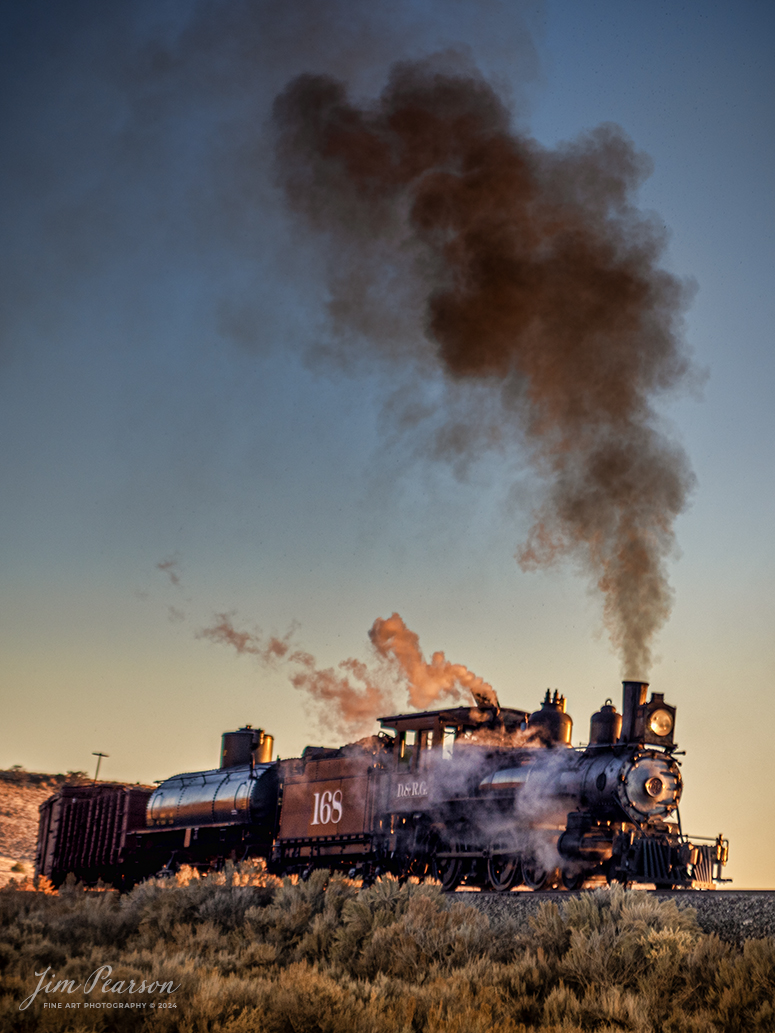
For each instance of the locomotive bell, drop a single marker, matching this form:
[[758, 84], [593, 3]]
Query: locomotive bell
[[554, 726], [605, 726]]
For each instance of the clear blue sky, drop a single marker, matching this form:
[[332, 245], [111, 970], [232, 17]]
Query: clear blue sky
[[159, 401]]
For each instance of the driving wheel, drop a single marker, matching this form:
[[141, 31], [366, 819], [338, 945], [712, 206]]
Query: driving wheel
[[448, 870], [535, 877], [504, 868]]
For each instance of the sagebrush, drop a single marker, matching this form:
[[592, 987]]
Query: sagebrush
[[249, 953]]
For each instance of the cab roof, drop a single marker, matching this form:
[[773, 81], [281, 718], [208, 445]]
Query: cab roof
[[460, 717]]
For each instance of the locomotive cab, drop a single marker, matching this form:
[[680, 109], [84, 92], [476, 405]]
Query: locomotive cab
[[421, 739]]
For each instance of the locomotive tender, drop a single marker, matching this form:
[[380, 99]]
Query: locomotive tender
[[487, 796]]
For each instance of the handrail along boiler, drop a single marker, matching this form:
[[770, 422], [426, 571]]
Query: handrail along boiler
[[485, 795]]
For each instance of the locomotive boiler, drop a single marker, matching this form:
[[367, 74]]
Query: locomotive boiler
[[488, 796]]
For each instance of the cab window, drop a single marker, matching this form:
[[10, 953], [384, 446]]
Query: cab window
[[448, 742], [406, 748]]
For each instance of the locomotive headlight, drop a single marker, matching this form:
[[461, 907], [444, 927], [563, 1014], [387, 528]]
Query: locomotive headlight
[[661, 722]]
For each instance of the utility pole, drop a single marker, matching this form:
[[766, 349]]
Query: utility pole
[[99, 757]]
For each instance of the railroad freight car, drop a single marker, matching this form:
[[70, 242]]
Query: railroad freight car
[[90, 830], [489, 796]]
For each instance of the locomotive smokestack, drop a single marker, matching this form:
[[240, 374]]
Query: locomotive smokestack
[[633, 694]]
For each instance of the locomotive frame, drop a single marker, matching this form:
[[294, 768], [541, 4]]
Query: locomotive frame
[[485, 796]]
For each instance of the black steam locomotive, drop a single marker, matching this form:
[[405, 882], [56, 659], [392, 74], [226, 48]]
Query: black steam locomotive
[[487, 796]]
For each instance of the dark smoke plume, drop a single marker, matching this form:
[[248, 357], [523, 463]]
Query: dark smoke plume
[[541, 300]]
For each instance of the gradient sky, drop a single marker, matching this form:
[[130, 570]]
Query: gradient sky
[[162, 399]]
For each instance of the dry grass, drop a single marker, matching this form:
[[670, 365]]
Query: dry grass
[[249, 952]]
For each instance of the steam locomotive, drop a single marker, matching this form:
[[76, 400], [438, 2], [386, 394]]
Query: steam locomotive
[[487, 796]]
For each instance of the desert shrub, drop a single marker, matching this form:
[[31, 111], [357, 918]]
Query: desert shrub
[[206, 1000], [479, 997], [612, 937], [628, 911], [695, 1000], [303, 917], [377, 908], [550, 929], [424, 933], [157, 906], [257, 956], [317, 941], [744, 989], [206, 941], [524, 984], [623, 957], [14, 905], [88, 918], [251, 953], [305, 1000], [227, 906], [286, 920], [615, 1008], [7, 955], [40, 951], [561, 1006]]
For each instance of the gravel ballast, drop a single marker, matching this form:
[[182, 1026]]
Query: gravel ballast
[[734, 915]]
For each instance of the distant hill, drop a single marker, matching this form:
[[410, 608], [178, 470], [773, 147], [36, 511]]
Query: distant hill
[[21, 794]]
